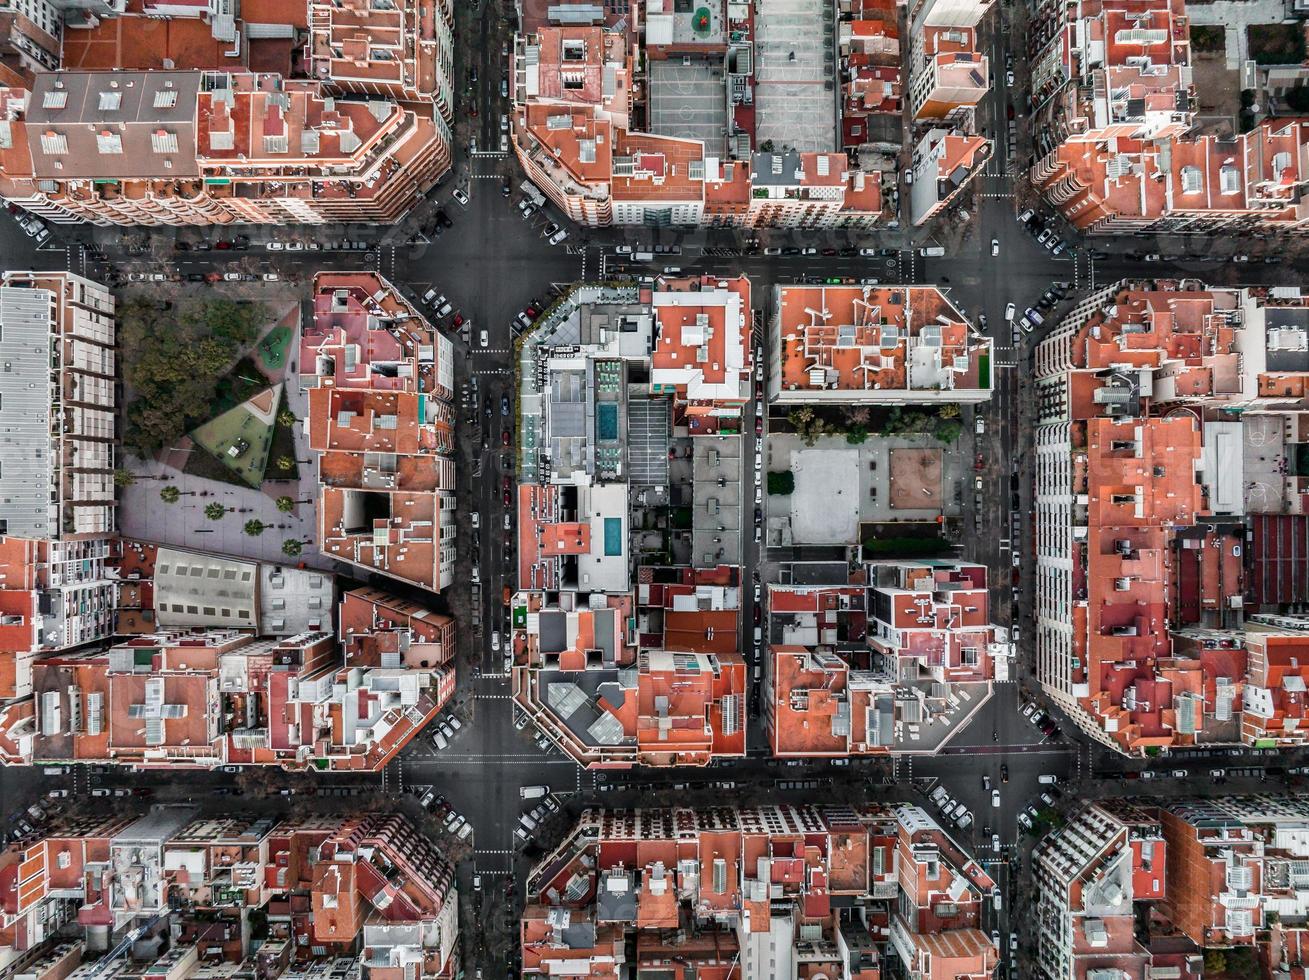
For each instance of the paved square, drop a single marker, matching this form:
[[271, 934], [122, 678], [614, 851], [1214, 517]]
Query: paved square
[[688, 101], [915, 479], [825, 504]]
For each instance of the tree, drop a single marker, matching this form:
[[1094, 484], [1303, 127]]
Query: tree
[[286, 418], [255, 527], [284, 463], [124, 478], [856, 435], [950, 410], [285, 504], [292, 548], [781, 484], [947, 430], [1298, 98], [215, 511], [1215, 962], [170, 495]]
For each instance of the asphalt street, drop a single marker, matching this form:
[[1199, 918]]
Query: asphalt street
[[491, 264]]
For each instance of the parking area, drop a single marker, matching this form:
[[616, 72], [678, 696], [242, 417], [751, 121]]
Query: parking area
[[795, 88]]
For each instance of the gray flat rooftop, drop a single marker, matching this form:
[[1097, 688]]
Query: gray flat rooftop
[[689, 101], [795, 71]]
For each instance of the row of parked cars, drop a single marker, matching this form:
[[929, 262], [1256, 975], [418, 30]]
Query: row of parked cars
[[443, 731], [1045, 236], [1041, 720], [452, 821], [531, 820], [33, 226]]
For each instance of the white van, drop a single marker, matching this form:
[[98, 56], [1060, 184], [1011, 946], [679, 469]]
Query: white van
[[1047, 779], [528, 823], [533, 792]]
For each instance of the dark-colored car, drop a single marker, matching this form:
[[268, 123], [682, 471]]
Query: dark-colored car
[[504, 438], [506, 188], [504, 405], [1004, 773], [486, 404]]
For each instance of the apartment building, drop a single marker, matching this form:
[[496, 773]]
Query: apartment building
[[622, 662], [847, 664], [949, 75], [381, 420], [944, 162], [874, 345], [1117, 152], [204, 696], [868, 46], [769, 891], [1168, 421], [57, 459], [1091, 873], [180, 114], [575, 91], [228, 896], [1147, 889]]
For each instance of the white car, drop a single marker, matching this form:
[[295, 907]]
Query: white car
[[232, 276], [1009, 78], [429, 296], [495, 641], [274, 246], [445, 310], [484, 338], [995, 843], [1009, 312], [995, 246], [460, 196], [867, 252], [271, 277], [1025, 820], [295, 246], [558, 237], [995, 798]]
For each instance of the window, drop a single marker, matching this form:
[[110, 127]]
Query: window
[[53, 143], [110, 101], [54, 100], [162, 141], [107, 142], [165, 98]]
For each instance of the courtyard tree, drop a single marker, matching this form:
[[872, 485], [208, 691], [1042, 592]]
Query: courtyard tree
[[292, 547], [124, 478], [285, 504], [255, 527], [215, 511], [284, 463], [286, 418], [170, 495]]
